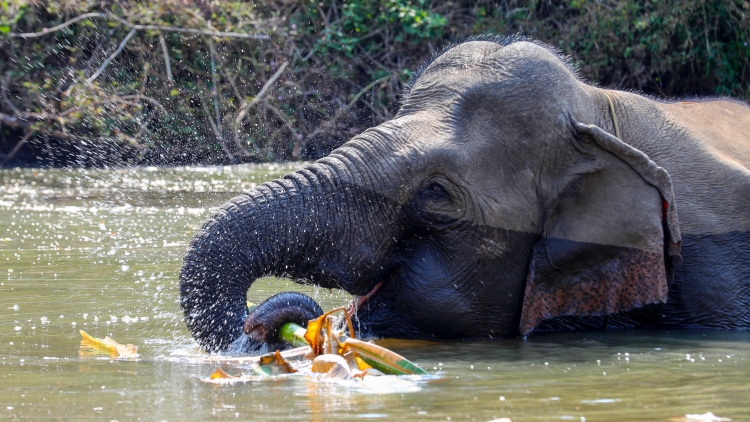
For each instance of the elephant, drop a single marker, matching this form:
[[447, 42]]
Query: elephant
[[507, 196]]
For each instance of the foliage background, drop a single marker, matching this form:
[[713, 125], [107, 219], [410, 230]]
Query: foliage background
[[346, 62]]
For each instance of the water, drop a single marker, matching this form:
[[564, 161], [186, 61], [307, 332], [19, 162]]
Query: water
[[100, 250]]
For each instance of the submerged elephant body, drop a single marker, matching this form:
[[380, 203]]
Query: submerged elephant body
[[506, 196]]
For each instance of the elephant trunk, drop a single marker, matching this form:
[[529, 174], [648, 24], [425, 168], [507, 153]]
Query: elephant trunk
[[264, 231]]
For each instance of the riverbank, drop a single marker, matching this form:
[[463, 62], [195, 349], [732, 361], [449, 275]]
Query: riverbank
[[192, 82]]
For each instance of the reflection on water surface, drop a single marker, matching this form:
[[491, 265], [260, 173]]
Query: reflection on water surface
[[100, 250]]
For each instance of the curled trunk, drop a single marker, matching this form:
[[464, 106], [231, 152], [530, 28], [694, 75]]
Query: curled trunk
[[265, 231]]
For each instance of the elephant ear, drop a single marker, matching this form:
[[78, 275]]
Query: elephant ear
[[611, 240]]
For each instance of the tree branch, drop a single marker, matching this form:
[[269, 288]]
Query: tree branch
[[16, 123], [246, 106], [166, 58], [147, 99], [133, 26], [6, 100], [112, 56], [217, 131], [18, 146], [214, 84], [97, 49], [343, 110]]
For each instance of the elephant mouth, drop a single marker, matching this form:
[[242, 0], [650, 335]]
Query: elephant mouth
[[358, 301]]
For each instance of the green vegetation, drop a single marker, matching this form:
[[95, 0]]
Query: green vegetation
[[327, 71]]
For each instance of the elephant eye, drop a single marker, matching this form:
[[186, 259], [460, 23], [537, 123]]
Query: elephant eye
[[436, 192], [438, 201], [436, 188]]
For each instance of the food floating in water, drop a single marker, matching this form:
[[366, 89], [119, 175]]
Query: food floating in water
[[91, 345], [705, 417], [334, 355], [275, 364], [334, 366], [382, 359], [220, 374]]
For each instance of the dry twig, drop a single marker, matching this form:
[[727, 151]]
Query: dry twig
[[111, 57], [247, 105], [18, 146], [167, 63], [136, 27]]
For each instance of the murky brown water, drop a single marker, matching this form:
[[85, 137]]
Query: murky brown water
[[100, 250]]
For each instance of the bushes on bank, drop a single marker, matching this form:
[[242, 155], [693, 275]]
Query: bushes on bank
[[328, 70]]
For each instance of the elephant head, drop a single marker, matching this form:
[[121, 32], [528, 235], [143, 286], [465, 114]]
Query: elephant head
[[493, 201]]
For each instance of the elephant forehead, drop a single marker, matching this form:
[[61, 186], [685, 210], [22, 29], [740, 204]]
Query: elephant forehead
[[469, 63], [466, 55], [480, 57]]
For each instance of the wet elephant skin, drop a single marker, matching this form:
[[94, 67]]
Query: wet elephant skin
[[507, 196]]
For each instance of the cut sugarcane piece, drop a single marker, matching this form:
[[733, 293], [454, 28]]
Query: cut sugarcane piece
[[383, 359], [293, 334]]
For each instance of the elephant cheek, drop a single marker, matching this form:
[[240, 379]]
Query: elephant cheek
[[436, 312]]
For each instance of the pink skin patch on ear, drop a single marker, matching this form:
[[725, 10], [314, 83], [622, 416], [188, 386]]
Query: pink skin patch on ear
[[627, 280]]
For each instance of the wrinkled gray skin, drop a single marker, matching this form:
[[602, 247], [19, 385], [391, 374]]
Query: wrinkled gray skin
[[498, 202]]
